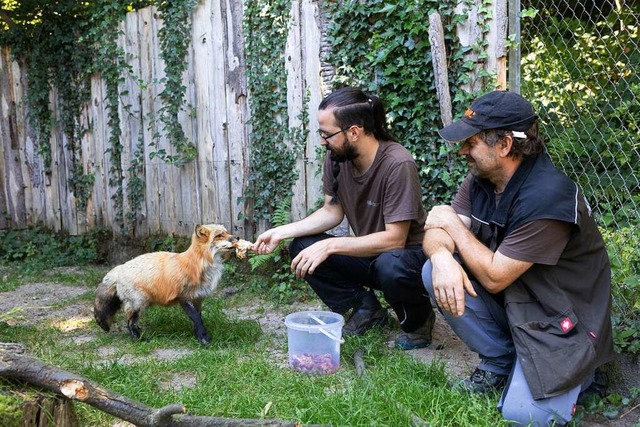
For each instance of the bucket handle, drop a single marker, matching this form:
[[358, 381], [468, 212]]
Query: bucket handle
[[327, 333]]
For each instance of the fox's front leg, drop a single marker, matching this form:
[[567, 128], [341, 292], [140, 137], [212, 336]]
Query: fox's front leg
[[193, 311], [132, 324]]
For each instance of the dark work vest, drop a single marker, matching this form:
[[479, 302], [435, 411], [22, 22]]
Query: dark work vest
[[559, 315]]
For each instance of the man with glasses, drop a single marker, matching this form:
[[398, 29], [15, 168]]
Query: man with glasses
[[373, 181]]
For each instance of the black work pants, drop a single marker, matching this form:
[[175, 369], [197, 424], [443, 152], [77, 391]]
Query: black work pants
[[344, 282]]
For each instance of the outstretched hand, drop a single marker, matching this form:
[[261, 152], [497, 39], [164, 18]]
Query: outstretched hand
[[267, 242]]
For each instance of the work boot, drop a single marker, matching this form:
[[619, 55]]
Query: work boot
[[363, 319], [420, 338], [482, 381]]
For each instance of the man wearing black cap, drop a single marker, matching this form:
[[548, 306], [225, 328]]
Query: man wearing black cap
[[518, 267]]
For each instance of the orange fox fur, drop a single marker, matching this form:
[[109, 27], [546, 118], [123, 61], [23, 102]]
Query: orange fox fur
[[165, 278]]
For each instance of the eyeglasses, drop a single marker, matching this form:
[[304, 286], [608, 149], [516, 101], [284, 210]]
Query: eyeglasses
[[326, 137]]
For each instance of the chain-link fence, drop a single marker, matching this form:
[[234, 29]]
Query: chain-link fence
[[579, 66]]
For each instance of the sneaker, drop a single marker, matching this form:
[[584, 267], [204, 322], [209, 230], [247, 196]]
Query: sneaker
[[363, 319], [420, 338], [484, 381]]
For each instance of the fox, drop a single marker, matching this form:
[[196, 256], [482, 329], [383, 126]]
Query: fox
[[166, 278]]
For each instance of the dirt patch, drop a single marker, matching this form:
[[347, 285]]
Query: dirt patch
[[36, 303], [448, 348], [179, 381]]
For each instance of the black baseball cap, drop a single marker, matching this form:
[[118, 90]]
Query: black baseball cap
[[495, 110]]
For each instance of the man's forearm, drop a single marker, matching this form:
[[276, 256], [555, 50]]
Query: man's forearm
[[317, 222], [478, 259], [437, 240]]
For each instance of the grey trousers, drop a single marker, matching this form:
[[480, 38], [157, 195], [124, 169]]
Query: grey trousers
[[485, 330]]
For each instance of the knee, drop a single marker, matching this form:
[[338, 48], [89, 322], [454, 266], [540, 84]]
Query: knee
[[427, 280], [386, 269], [527, 413]]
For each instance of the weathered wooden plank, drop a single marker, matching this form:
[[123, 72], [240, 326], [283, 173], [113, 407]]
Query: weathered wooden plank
[[312, 41], [33, 167], [19, 125], [135, 117], [125, 119], [5, 90], [13, 179], [86, 217], [71, 217], [165, 183], [104, 142], [237, 114], [6, 94], [498, 34], [58, 172], [200, 46], [469, 32], [145, 28], [440, 67], [68, 213], [97, 156], [295, 101], [88, 165], [219, 120], [188, 178], [203, 67]]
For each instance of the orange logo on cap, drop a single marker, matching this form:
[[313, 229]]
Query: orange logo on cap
[[469, 113]]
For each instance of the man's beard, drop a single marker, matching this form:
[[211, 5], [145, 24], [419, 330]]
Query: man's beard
[[349, 154]]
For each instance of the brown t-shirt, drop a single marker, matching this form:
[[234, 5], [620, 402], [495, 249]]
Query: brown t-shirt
[[539, 242], [388, 192]]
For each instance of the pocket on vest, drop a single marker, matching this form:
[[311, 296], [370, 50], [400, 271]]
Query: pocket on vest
[[555, 353]]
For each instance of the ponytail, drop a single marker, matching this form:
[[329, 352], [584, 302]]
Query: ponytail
[[353, 107]]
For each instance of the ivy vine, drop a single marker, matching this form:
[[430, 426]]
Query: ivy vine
[[274, 146], [109, 62], [174, 37], [135, 189]]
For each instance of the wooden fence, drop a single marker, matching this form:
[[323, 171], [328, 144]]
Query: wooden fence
[[207, 190]]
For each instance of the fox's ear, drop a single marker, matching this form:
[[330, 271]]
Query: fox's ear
[[201, 231]]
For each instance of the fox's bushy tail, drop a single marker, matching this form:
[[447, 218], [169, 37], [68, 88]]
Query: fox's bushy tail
[[106, 305]]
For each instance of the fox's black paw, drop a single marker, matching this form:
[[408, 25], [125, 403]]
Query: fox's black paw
[[205, 339]]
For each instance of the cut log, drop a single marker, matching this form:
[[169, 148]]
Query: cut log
[[16, 364], [49, 411]]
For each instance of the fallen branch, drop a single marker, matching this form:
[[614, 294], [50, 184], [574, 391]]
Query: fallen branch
[[359, 362], [15, 364], [630, 411]]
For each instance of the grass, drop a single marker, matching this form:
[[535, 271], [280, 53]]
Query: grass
[[243, 374]]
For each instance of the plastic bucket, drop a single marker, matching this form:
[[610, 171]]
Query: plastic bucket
[[314, 341]]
